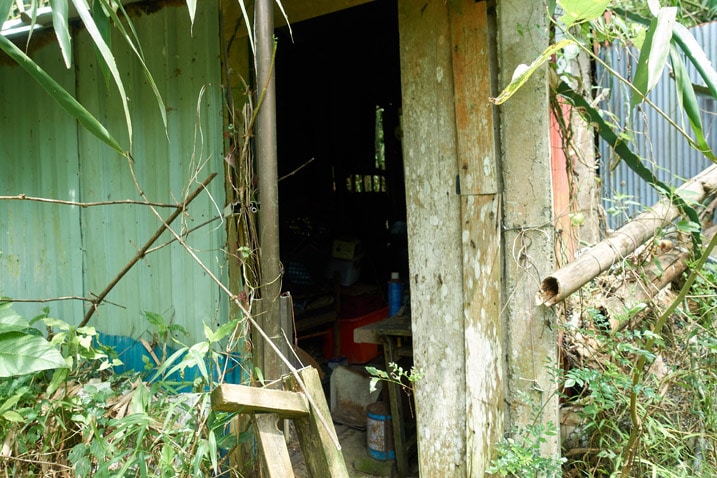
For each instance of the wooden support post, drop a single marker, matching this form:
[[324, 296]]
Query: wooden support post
[[314, 428], [322, 457], [276, 461]]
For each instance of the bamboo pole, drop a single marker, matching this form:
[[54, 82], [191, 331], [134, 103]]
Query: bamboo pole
[[566, 280]]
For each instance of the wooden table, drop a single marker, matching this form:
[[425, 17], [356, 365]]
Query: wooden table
[[394, 333]]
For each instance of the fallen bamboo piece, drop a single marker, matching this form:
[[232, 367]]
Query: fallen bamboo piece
[[566, 280]]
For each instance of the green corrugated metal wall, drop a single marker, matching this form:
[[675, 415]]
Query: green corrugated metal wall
[[51, 251]]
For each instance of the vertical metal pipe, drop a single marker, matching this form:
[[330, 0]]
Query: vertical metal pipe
[[266, 160]]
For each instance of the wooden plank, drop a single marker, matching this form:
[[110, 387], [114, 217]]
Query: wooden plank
[[322, 456], [232, 398], [481, 233], [276, 460], [475, 136], [435, 259]]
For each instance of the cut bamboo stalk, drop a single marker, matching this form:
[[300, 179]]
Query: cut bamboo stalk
[[566, 280]]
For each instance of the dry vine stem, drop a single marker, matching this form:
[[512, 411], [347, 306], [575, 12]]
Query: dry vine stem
[[622, 242], [243, 309]]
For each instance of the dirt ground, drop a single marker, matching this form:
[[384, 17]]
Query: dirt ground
[[358, 462]]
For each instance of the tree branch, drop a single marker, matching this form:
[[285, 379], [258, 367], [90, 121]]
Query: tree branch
[[143, 251]]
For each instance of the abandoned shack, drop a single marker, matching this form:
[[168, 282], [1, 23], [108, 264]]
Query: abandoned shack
[[389, 158]]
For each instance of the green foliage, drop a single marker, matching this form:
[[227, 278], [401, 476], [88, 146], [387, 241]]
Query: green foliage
[[22, 349], [519, 453], [396, 374], [93, 422], [643, 399]]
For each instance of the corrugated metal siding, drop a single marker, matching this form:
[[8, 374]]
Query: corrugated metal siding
[[168, 281], [662, 148], [40, 244], [57, 246]]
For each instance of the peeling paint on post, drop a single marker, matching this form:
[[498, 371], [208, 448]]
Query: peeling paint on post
[[527, 217], [480, 231]]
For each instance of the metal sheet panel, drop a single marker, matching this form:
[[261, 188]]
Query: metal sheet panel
[[663, 149], [40, 244], [50, 250], [185, 65]]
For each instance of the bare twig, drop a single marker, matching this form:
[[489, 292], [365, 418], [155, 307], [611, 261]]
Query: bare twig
[[143, 251], [242, 308], [24, 197], [288, 175]]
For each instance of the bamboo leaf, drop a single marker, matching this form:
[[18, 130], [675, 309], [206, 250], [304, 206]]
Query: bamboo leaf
[[688, 101], [694, 52], [103, 26], [248, 24], [59, 94], [107, 56], [61, 24], [192, 7], [5, 6], [581, 10], [631, 159], [134, 44], [523, 72], [286, 17], [653, 54]]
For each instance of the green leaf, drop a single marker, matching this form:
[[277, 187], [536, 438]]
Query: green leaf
[[694, 52], [223, 331], [653, 54], [523, 72], [10, 321], [5, 6], [140, 399], [581, 10], [630, 158], [133, 42], [107, 56], [102, 21], [58, 378], [688, 100], [13, 416], [59, 94], [192, 7], [213, 453], [61, 24], [21, 354]]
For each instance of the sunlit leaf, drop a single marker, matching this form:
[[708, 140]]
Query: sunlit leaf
[[653, 54], [107, 56], [21, 354], [60, 22], [247, 22], [688, 100], [523, 72], [192, 7], [581, 10], [59, 94]]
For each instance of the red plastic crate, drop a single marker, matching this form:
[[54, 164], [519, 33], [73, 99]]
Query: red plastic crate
[[359, 353]]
